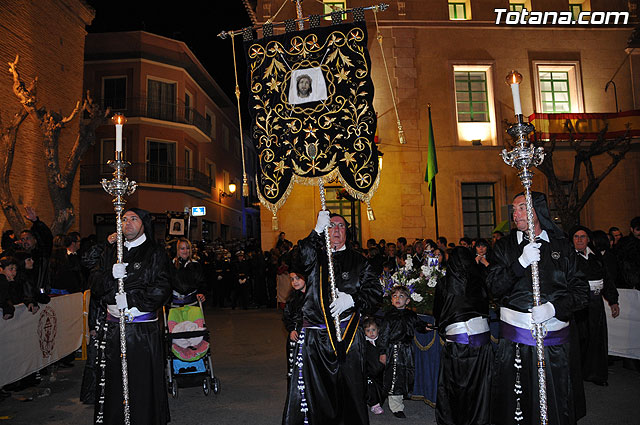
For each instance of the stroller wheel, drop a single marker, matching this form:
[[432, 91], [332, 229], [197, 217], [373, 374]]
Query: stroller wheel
[[216, 385], [174, 389], [206, 385]]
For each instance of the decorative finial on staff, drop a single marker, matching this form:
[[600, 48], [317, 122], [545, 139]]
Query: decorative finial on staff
[[524, 156], [119, 186]]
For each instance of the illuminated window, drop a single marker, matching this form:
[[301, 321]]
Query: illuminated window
[[557, 87], [475, 105], [478, 209], [458, 11], [577, 6], [516, 7], [334, 6], [471, 96]]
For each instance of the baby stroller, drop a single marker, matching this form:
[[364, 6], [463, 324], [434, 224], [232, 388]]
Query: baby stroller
[[188, 352]]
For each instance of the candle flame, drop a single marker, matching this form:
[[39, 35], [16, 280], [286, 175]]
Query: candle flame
[[514, 77], [119, 119]]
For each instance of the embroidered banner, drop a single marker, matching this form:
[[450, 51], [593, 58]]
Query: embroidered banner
[[312, 116], [32, 341]]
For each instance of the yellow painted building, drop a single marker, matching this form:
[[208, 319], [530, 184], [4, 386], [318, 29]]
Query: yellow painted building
[[453, 56]]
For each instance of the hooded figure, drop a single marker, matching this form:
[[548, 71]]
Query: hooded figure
[[145, 273], [591, 321], [461, 310], [563, 291]]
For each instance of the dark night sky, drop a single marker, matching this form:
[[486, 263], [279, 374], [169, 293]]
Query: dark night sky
[[196, 23]]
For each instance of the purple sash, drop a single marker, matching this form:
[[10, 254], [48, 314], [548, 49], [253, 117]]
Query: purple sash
[[477, 340], [524, 336], [147, 317]]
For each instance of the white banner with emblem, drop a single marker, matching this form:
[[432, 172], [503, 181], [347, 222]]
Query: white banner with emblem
[[624, 330], [29, 342]]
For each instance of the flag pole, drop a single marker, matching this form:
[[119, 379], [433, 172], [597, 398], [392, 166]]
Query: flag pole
[[435, 206]]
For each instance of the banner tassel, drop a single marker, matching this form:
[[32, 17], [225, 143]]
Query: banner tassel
[[370, 214]]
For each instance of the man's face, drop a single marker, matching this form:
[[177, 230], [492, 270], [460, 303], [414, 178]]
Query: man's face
[[303, 86], [75, 245], [27, 241], [337, 232], [132, 227], [580, 240], [617, 235], [635, 231], [418, 247], [520, 214]]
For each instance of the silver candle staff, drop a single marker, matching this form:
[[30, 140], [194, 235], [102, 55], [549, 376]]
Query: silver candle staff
[[524, 156], [119, 186]]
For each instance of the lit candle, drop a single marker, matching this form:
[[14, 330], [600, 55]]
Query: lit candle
[[514, 79], [119, 121]]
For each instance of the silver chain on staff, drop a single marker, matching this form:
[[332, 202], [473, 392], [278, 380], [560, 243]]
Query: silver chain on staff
[[523, 157], [119, 186], [332, 277]]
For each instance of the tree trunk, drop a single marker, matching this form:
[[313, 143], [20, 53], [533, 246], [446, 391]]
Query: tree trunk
[[9, 137]]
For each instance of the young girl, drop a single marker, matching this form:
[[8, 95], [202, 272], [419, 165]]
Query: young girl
[[375, 369], [292, 315], [396, 337]]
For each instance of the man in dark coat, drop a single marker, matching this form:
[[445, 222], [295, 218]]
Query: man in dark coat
[[330, 381], [145, 271], [461, 310], [591, 321], [628, 253], [563, 290]]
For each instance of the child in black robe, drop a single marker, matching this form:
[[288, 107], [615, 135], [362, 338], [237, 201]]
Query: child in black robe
[[292, 315], [375, 369], [396, 339]]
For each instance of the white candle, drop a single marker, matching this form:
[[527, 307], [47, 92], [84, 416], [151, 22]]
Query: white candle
[[515, 92], [119, 137]]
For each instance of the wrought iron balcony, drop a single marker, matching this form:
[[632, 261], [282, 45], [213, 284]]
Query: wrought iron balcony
[[162, 175], [153, 108]]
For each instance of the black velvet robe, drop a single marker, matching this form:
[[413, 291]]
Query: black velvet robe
[[464, 380], [375, 374], [396, 341], [148, 288], [591, 321], [333, 372], [564, 285], [292, 318]]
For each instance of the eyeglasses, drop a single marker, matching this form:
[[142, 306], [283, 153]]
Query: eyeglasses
[[338, 225]]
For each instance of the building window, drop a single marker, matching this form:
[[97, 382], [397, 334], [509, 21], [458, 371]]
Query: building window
[[557, 87], [333, 6], [161, 162], [225, 137], [459, 10], [107, 153], [212, 172], [188, 164], [475, 107], [516, 7], [471, 96], [578, 6], [478, 209], [554, 91], [114, 93], [161, 100], [337, 202], [187, 107]]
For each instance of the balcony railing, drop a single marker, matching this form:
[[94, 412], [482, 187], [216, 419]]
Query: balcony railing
[[149, 173], [152, 108]]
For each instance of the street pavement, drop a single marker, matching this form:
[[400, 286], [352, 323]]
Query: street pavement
[[248, 351]]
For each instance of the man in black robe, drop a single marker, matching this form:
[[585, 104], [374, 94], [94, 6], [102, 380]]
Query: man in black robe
[[145, 270], [591, 321], [628, 253], [563, 290], [461, 310], [329, 381]]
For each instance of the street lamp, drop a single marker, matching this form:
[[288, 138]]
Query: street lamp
[[232, 190]]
